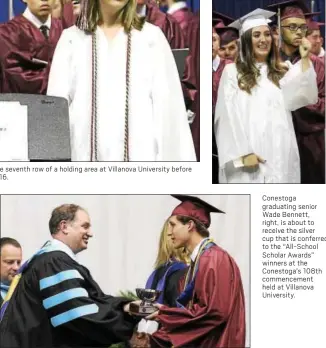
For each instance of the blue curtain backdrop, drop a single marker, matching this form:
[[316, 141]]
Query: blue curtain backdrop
[[19, 6], [194, 4], [238, 8]]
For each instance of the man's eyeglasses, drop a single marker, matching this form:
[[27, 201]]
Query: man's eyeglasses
[[294, 27]]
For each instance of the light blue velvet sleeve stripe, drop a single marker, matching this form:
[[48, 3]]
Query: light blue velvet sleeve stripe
[[58, 278], [3, 294], [74, 314], [63, 297]]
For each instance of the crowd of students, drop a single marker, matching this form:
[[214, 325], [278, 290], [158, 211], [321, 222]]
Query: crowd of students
[[269, 97], [154, 114]]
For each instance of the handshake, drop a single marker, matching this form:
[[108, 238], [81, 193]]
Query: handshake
[[146, 308], [140, 340]]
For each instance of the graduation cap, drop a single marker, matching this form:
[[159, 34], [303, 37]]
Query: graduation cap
[[220, 24], [290, 9], [221, 18], [253, 19], [313, 25], [309, 16], [195, 208], [217, 23], [227, 35], [273, 24]]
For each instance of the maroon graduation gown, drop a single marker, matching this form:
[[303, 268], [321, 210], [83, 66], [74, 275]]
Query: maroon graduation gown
[[176, 39], [322, 59], [217, 318], [20, 43], [167, 23], [216, 80], [309, 123], [183, 17], [191, 80], [68, 17]]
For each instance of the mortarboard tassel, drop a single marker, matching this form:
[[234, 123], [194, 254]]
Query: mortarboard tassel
[[240, 49], [279, 28], [240, 45], [11, 9]]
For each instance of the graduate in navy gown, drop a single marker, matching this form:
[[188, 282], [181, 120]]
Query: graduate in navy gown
[[168, 262], [170, 266]]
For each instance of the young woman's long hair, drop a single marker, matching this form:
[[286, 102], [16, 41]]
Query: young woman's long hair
[[166, 251], [248, 73], [90, 16]]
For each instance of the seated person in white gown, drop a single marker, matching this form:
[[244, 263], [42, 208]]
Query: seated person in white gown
[[253, 121], [120, 79]]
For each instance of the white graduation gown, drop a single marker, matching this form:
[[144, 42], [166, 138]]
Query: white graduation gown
[[158, 124], [261, 123]]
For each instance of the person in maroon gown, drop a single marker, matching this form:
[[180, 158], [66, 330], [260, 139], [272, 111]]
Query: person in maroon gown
[[191, 81], [314, 35], [57, 8], [169, 26], [67, 11], [179, 10], [218, 67], [211, 306], [27, 44], [176, 39], [309, 122], [229, 47]]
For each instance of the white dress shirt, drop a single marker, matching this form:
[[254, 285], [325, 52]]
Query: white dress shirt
[[195, 252], [321, 53], [32, 18], [216, 62], [58, 245], [176, 7], [141, 11]]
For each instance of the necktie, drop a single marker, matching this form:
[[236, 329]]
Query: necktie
[[44, 29]]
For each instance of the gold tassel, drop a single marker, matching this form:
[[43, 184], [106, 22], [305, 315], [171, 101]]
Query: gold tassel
[[12, 288]]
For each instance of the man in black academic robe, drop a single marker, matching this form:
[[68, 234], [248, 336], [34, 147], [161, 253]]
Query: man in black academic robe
[[57, 303]]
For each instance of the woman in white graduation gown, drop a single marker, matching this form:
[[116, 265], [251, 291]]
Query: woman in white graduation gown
[[122, 85], [253, 121]]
